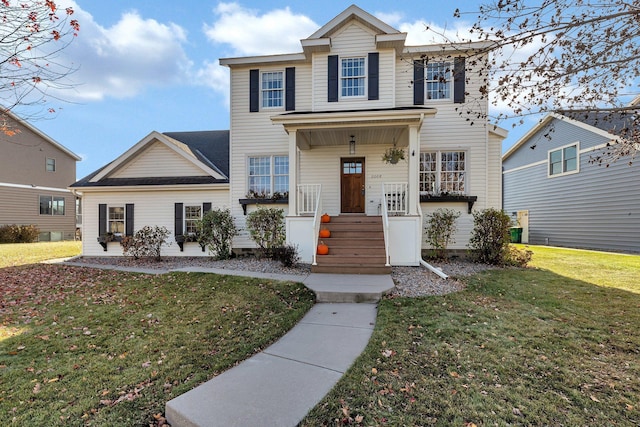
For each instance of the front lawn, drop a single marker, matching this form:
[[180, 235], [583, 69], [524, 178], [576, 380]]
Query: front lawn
[[12, 254], [80, 346], [557, 345]]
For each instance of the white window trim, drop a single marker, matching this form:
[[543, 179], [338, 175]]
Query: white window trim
[[439, 151], [366, 78], [46, 164], [577, 145], [272, 174], [449, 83], [185, 219], [283, 90]]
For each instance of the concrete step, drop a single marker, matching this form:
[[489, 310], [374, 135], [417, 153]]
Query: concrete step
[[352, 285]]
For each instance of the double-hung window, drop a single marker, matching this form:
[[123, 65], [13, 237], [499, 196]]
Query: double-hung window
[[192, 214], [352, 77], [51, 165], [438, 80], [268, 175], [115, 220], [51, 205], [272, 89], [563, 160], [443, 172]]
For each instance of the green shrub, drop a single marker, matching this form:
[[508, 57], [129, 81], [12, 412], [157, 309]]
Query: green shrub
[[490, 236], [441, 226], [216, 231], [146, 242], [287, 255], [266, 227], [19, 233]]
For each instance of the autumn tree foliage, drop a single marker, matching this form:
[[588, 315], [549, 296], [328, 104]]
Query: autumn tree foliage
[[580, 58], [32, 35]]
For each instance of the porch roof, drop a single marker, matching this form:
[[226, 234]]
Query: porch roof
[[369, 126]]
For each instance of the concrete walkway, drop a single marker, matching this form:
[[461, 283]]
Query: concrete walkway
[[278, 386]]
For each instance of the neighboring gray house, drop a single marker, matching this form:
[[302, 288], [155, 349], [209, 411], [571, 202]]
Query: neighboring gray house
[[35, 172], [561, 198]]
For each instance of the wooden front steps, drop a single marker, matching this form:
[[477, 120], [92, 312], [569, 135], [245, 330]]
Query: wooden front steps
[[356, 246]]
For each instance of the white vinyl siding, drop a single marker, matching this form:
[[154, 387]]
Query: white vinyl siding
[[158, 160]]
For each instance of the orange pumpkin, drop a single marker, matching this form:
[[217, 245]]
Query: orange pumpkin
[[323, 249], [325, 218], [324, 233]]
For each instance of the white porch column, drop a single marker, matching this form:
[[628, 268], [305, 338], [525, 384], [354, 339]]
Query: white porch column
[[414, 163], [293, 174]]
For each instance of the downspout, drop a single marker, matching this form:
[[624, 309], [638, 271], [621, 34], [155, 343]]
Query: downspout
[[424, 263]]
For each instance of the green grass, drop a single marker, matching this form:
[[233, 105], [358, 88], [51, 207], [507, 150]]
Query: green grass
[[29, 253], [554, 345], [92, 347]]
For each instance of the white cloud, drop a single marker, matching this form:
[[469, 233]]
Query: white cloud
[[249, 33], [215, 77], [122, 60]]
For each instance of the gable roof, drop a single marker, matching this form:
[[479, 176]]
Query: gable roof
[[208, 150], [13, 116], [596, 122]]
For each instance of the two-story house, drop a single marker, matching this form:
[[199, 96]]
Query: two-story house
[[35, 172], [308, 133]]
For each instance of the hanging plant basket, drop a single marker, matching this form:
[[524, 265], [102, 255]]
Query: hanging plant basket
[[393, 155]]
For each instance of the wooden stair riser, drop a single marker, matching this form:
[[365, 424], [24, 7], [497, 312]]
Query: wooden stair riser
[[357, 251]]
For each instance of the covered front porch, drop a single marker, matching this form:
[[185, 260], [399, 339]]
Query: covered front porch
[[336, 167]]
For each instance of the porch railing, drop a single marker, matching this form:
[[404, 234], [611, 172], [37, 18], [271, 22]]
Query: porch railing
[[385, 226], [395, 198], [316, 223], [308, 196]]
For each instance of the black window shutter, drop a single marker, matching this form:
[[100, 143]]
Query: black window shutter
[[458, 80], [206, 207], [374, 65], [418, 82], [254, 91], [102, 219], [128, 215], [178, 219], [290, 89], [333, 79]]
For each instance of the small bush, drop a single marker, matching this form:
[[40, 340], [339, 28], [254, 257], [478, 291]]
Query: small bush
[[518, 257], [287, 255], [266, 227], [19, 233], [441, 226], [490, 237], [146, 242], [216, 231]]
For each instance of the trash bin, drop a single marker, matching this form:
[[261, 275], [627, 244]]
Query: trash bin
[[516, 234]]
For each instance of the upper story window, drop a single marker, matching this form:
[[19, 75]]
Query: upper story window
[[443, 172], [51, 165], [563, 160], [268, 175], [51, 205], [272, 89], [192, 214], [352, 77], [438, 80], [115, 221]]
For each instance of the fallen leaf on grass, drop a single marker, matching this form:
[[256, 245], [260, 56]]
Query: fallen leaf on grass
[[592, 397]]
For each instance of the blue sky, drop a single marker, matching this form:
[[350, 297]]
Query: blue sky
[[149, 65]]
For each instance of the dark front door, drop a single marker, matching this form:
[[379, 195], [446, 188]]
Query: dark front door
[[352, 185]]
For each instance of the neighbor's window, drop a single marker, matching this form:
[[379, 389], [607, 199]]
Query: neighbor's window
[[352, 77], [438, 80], [563, 160], [272, 89], [443, 172], [115, 220], [51, 205], [268, 175], [192, 214], [51, 165]]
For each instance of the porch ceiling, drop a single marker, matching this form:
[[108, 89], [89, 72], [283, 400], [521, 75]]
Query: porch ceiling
[[382, 126]]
